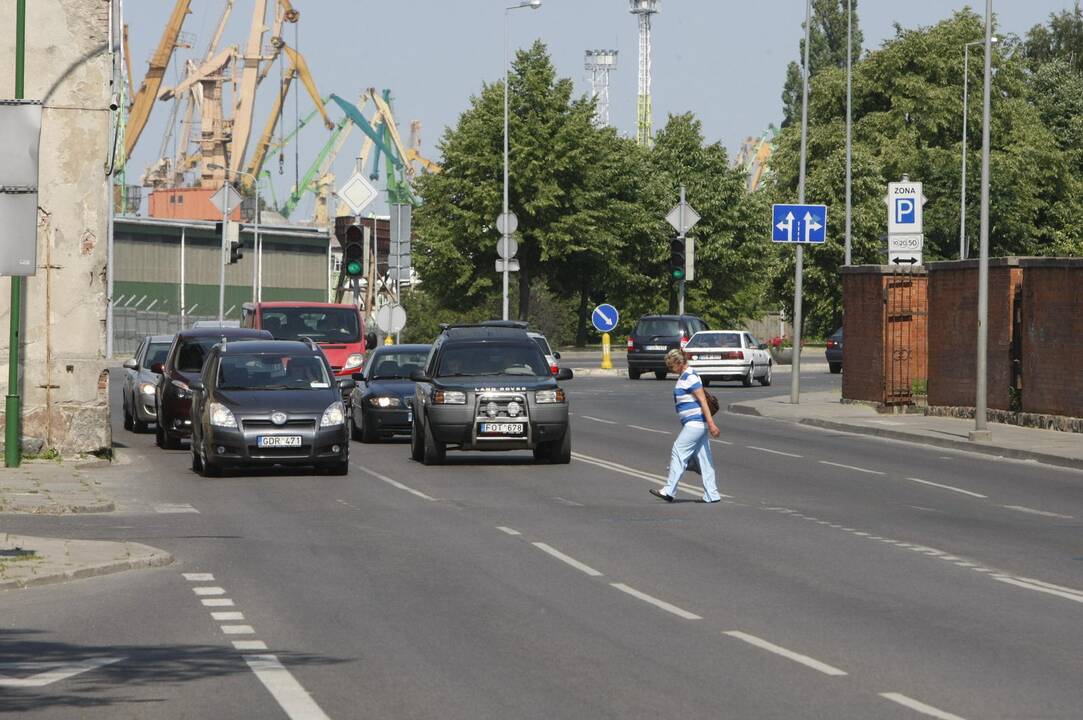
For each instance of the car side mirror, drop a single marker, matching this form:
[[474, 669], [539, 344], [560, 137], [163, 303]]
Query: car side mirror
[[358, 377], [556, 354], [371, 341], [565, 373], [762, 346], [158, 368], [419, 375], [195, 386], [347, 383], [131, 364]]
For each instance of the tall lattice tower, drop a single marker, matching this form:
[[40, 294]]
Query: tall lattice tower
[[644, 9], [599, 64]]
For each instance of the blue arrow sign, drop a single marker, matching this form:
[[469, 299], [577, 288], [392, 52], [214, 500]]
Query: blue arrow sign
[[799, 224], [605, 317]]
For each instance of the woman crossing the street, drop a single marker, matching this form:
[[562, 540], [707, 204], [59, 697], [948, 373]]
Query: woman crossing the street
[[697, 429]]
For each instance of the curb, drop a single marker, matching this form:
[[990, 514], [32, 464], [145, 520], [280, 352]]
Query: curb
[[158, 558], [61, 509], [964, 445], [599, 372]]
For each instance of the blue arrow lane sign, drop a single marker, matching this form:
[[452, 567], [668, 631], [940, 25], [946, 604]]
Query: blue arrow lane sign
[[605, 317], [805, 224]]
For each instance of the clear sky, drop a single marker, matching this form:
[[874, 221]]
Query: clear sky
[[724, 60]]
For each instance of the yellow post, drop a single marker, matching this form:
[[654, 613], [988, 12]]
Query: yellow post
[[388, 340], [607, 359]]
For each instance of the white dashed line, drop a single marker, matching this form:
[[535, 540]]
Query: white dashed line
[[721, 442], [198, 577], [217, 602], [507, 530], [920, 707], [394, 483], [208, 590], [773, 452], [249, 645], [788, 654], [49, 672], [851, 467], [223, 616], [581, 567], [947, 487], [174, 508], [238, 630], [590, 417], [650, 430], [625, 470], [1032, 511], [566, 501], [1042, 587], [284, 688], [662, 604]]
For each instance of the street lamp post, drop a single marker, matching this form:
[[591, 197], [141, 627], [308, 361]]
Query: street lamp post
[[849, 121], [795, 372], [981, 431], [506, 234], [963, 250], [257, 269]]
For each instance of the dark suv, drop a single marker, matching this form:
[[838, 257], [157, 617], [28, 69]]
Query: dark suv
[[269, 403], [488, 387], [654, 336], [183, 364]]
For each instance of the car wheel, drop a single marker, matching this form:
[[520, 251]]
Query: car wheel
[[129, 422], [170, 441], [197, 461], [561, 452], [209, 469], [660, 374], [417, 450], [159, 436], [355, 434], [634, 374], [835, 368], [368, 435], [766, 379], [746, 380], [434, 453]]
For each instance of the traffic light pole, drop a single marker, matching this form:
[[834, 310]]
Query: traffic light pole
[[680, 285], [222, 256], [13, 405], [795, 374]]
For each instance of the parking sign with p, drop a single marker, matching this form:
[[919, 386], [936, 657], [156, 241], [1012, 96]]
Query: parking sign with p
[[904, 201]]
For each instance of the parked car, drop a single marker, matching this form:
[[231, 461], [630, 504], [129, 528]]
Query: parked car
[[551, 356], [834, 351], [654, 336], [140, 382], [487, 387], [380, 404], [339, 330], [268, 402], [729, 355], [183, 364]]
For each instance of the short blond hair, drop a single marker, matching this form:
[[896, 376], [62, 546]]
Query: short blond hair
[[675, 357]]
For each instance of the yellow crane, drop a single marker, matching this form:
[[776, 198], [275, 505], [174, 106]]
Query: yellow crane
[[246, 90]]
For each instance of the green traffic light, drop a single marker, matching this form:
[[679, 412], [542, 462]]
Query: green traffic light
[[353, 268], [677, 273]]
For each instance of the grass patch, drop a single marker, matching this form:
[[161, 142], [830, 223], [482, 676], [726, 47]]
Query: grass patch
[[45, 454]]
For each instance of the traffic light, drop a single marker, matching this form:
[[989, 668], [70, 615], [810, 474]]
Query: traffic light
[[231, 238], [677, 267], [236, 250], [353, 252]]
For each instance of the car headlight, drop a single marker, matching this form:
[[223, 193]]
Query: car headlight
[[385, 402], [449, 397], [354, 361], [146, 388], [549, 396], [335, 414], [221, 416], [182, 388]]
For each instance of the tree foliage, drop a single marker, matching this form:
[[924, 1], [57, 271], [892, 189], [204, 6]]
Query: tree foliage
[[827, 49]]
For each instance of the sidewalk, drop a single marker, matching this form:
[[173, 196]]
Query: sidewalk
[[588, 363], [824, 410], [26, 561], [46, 487]]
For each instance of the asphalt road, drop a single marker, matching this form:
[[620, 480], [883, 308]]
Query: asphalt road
[[843, 577]]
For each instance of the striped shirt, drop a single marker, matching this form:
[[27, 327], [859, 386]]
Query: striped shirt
[[688, 407]]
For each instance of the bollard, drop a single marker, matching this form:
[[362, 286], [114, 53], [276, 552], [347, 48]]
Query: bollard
[[388, 340], [607, 359]]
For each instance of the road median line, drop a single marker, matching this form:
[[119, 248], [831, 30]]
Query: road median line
[[783, 652], [395, 483]]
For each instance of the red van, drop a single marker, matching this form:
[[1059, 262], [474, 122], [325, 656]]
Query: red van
[[338, 329]]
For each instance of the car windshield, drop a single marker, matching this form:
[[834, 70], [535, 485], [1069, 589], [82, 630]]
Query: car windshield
[[396, 364], [714, 340], [272, 371], [658, 327], [543, 345], [322, 324], [193, 352], [492, 359], [156, 353]]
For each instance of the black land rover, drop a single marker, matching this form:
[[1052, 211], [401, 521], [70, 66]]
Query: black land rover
[[488, 387]]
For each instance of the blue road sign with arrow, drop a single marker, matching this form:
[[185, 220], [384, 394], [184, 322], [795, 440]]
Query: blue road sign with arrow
[[605, 317], [805, 224]]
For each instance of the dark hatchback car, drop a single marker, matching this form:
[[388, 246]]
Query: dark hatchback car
[[834, 351], [141, 383], [654, 336], [184, 364], [380, 404], [487, 387], [259, 404]]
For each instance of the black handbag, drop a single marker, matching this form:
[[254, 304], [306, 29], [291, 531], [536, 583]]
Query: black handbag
[[712, 403]]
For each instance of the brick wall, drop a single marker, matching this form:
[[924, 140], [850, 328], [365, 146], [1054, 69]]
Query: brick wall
[[862, 333], [1052, 336], [953, 331]]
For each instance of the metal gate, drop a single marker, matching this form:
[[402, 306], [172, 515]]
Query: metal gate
[[901, 308]]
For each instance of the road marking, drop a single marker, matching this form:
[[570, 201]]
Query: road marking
[[651, 430], [238, 630], [590, 417], [208, 590], [171, 508], [1037, 586], [773, 452], [624, 469], [851, 467], [249, 645], [788, 654], [284, 688], [507, 530], [52, 671], [948, 487], [218, 602], [566, 501], [1032, 511], [395, 483], [227, 615], [721, 442], [198, 577], [679, 612], [581, 567], [920, 707], [886, 422]]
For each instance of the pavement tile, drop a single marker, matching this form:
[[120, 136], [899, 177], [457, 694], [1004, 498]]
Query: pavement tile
[[46, 487]]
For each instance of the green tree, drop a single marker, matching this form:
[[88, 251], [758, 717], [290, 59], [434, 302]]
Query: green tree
[[1060, 39], [827, 48]]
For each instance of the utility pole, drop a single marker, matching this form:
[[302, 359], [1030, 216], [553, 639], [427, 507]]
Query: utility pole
[[849, 121], [981, 431], [680, 285], [795, 375], [13, 405]]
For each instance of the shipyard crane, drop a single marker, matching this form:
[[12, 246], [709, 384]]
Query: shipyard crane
[[246, 91]]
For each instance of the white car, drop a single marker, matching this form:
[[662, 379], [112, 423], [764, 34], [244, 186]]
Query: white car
[[729, 355], [551, 357]]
